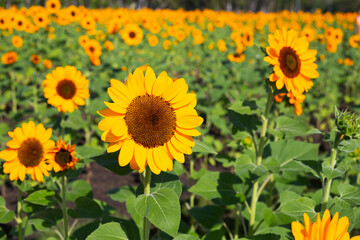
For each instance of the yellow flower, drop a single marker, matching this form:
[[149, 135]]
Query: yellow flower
[[35, 59], [27, 152], [66, 89], [109, 46], [292, 60], [62, 156], [9, 58], [132, 34], [47, 63], [322, 229], [17, 41], [151, 121], [53, 6]]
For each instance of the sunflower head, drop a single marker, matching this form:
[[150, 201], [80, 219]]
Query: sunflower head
[[27, 152], [348, 124], [151, 120], [293, 62], [325, 228], [62, 156], [66, 89], [9, 58]]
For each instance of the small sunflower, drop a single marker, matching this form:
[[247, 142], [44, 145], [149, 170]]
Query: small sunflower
[[292, 60], [132, 34], [66, 89], [53, 6], [9, 58], [27, 152], [152, 121], [47, 63], [17, 41], [35, 59], [62, 156], [92, 48]]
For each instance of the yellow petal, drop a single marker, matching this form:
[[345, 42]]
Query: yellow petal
[[160, 158], [150, 161], [150, 78], [160, 84], [140, 156], [178, 156], [126, 153]]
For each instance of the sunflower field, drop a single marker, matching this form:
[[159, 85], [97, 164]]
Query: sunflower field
[[204, 124]]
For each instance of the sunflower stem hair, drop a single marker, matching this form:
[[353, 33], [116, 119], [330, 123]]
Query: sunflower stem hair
[[19, 218], [334, 150], [259, 153], [146, 182], [64, 209]]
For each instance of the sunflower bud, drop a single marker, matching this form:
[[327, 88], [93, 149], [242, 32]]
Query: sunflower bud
[[348, 124]]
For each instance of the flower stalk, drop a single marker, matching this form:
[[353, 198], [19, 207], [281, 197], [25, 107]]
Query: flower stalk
[[259, 152], [334, 150], [146, 177], [64, 207], [19, 217]]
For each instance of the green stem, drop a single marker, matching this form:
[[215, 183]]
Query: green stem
[[19, 219], [62, 129], [334, 151], [146, 181], [35, 98], [259, 153], [13, 98], [64, 209]]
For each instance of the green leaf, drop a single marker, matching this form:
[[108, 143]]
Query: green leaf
[[297, 207], [186, 237], [73, 121], [290, 126], [349, 145], [330, 172], [216, 234], [5, 214], [208, 216], [130, 207], [242, 120], [121, 194], [85, 208], [202, 148], [42, 197], [87, 152], [78, 188], [108, 231], [269, 236], [163, 180], [46, 218], [110, 162], [246, 168], [220, 185], [349, 194], [162, 208]]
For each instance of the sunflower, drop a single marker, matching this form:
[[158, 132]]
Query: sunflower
[[27, 152], [293, 61], [9, 58], [152, 121], [41, 20], [20, 22], [65, 88], [153, 40], [83, 40], [88, 23], [92, 48], [35, 59], [321, 229], [132, 34], [47, 63], [53, 6], [17, 41], [109, 46], [62, 156]]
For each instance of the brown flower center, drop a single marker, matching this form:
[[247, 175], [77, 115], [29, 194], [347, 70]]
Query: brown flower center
[[53, 5], [11, 60], [66, 89], [289, 62], [132, 34], [30, 152], [72, 13], [20, 23], [63, 157], [92, 49], [151, 121], [40, 19]]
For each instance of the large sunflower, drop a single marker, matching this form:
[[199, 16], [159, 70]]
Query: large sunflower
[[293, 61], [62, 156], [27, 152], [322, 229], [66, 89], [152, 120]]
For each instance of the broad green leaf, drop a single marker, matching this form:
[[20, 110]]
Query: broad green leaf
[[87, 152], [349, 145], [186, 237], [216, 234], [73, 121], [290, 126], [5, 214], [283, 232], [220, 185], [162, 208], [201, 147], [110, 162], [121, 194], [246, 168], [163, 180], [130, 207], [46, 218], [297, 207], [349, 194], [78, 188], [207, 216], [330, 172], [269, 236], [42, 197], [108, 231], [129, 227], [243, 121], [85, 208]]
